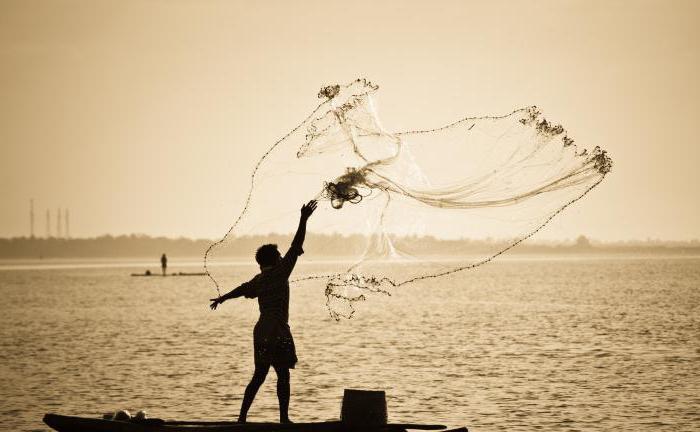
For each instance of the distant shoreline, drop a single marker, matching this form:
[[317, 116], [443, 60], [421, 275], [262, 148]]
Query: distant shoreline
[[318, 247]]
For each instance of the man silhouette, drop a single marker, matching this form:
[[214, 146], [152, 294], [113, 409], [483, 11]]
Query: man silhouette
[[163, 263], [272, 338]]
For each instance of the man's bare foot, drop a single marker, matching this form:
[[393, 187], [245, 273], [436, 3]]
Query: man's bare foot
[[286, 421], [241, 419]]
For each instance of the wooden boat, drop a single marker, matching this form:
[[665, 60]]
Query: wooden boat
[[63, 423], [148, 273]]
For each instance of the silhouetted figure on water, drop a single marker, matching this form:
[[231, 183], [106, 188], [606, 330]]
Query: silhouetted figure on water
[[164, 263], [272, 338]]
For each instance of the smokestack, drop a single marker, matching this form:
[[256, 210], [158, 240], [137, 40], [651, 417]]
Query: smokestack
[[59, 225], [67, 224], [48, 223], [31, 218]]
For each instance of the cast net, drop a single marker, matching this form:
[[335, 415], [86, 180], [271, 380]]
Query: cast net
[[400, 207]]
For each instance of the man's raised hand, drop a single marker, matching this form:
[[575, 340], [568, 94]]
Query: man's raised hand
[[308, 209]]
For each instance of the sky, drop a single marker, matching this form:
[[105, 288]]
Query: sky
[[149, 116]]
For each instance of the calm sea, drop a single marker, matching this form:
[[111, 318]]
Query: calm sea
[[591, 344]]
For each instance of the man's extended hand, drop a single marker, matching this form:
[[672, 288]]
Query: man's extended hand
[[308, 209], [215, 302]]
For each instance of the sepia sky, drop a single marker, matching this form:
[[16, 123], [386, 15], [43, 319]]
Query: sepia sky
[[148, 116]]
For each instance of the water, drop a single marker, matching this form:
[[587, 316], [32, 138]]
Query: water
[[553, 344]]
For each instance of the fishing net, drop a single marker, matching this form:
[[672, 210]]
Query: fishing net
[[400, 207]]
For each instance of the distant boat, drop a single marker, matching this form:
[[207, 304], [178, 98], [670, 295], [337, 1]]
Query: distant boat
[[80, 424], [148, 273]]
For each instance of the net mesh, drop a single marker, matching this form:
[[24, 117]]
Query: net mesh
[[404, 206]]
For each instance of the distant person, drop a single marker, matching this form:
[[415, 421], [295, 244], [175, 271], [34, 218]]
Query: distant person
[[273, 343], [164, 263]]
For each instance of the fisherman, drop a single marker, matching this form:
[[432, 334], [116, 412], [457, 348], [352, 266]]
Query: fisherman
[[273, 343], [163, 263]]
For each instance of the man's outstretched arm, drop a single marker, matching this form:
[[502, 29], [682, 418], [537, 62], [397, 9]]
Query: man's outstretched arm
[[234, 293], [306, 212]]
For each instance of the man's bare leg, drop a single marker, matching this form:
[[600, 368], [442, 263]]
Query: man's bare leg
[[283, 393], [252, 389]]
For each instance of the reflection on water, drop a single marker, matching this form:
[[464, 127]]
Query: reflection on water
[[520, 345]]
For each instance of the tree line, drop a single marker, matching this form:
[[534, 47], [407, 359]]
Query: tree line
[[317, 245]]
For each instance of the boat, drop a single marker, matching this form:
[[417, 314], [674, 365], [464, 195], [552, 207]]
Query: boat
[[149, 273], [362, 411], [62, 423]]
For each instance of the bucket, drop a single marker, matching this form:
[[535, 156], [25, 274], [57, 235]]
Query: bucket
[[364, 408]]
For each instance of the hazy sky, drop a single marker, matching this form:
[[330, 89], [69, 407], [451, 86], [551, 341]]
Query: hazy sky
[[148, 116]]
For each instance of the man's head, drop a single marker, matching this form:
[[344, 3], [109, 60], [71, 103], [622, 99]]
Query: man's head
[[267, 255]]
